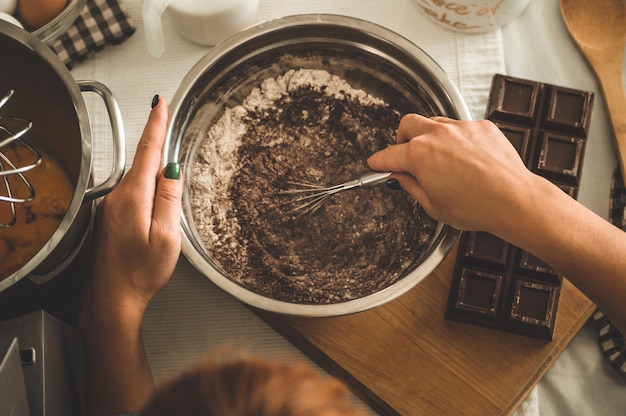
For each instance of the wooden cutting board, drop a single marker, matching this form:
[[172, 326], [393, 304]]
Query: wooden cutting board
[[405, 358]]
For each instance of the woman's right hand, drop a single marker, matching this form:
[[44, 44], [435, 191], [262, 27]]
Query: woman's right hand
[[464, 173], [468, 175]]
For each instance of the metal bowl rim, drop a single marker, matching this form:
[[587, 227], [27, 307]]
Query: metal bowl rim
[[446, 237]]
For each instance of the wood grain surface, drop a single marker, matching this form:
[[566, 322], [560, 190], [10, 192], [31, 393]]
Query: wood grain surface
[[405, 358]]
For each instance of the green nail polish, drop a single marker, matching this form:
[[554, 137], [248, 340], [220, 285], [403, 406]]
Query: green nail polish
[[172, 170]]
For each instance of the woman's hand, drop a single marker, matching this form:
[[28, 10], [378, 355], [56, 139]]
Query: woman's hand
[[136, 247], [467, 174], [137, 229], [462, 172]]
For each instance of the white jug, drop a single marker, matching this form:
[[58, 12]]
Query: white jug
[[207, 22]]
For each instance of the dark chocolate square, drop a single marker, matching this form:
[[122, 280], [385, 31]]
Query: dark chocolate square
[[534, 264], [487, 247], [516, 99], [560, 157], [568, 110], [536, 268], [535, 304], [479, 292]]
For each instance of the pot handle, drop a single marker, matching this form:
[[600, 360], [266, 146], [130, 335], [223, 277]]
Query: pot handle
[[119, 139]]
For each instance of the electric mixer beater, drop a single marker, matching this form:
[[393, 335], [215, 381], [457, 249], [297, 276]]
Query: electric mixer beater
[[14, 186]]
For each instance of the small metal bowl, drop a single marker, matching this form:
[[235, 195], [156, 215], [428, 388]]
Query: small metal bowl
[[368, 56]]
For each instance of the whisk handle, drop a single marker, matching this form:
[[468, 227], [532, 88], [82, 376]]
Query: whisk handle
[[372, 178]]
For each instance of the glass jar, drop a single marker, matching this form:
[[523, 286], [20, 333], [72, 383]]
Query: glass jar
[[59, 25]]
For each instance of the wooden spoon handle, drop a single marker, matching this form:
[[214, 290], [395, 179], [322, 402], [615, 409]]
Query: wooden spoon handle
[[616, 104], [609, 72]]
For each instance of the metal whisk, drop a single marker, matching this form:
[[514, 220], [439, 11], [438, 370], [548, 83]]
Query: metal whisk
[[11, 131], [313, 196]]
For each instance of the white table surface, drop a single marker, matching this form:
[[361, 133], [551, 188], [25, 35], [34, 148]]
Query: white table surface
[[191, 317]]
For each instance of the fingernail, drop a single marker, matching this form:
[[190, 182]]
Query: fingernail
[[155, 101], [172, 170], [393, 184]]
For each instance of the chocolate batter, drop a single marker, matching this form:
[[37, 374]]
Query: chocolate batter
[[359, 242]]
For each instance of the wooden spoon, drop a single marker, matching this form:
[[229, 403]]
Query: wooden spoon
[[599, 29]]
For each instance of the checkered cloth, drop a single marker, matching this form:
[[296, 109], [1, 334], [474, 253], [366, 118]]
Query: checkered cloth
[[101, 23], [613, 343]]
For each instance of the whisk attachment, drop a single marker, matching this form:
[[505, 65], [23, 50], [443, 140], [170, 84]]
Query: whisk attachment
[[310, 197], [11, 175]]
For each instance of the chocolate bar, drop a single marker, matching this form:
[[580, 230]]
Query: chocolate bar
[[494, 283]]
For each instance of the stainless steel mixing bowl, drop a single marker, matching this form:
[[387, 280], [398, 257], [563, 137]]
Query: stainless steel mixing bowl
[[368, 56]]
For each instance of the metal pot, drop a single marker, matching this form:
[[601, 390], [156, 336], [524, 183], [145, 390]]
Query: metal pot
[[368, 56], [47, 95]]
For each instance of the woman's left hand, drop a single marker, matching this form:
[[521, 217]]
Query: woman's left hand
[[137, 230], [137, 243]]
